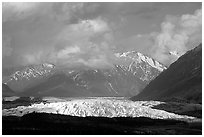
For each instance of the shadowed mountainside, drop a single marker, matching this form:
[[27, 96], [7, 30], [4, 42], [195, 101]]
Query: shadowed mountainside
[[183, 79], [6, 91]]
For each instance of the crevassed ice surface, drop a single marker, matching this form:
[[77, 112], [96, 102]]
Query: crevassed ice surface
[[103, 107]]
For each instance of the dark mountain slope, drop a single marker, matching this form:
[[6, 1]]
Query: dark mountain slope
[[6, 91], [183, 79]]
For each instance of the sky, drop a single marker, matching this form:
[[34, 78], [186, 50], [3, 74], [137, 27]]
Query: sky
[[88, 34]]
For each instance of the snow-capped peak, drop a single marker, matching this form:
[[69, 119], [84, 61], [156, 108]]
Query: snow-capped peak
[[174, 53], [32, 71], [139, 57], [48, 65]]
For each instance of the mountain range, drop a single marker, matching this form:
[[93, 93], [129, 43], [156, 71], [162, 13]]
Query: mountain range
[[141, 77], [121, 80]]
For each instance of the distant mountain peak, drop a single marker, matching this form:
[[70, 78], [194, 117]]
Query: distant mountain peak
[[139, 57], [31, 71], [48, 65], [174, 53]]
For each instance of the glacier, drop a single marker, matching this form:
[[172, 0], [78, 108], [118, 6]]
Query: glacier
[[97, 107]]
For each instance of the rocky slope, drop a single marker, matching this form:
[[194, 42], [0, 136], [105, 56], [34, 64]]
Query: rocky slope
[[182, 80]]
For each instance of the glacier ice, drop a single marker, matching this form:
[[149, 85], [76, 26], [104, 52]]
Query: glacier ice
[[98, 107]]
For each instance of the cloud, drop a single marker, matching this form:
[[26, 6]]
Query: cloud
[[61, 12], [72, 12], [56, 33], [175, 36], [67, 12], [18, 10], [67, 51], [83, 29], [86, 42], [100, 61], [6, 46]]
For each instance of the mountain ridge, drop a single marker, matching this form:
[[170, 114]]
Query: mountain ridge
[[129, 78]]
